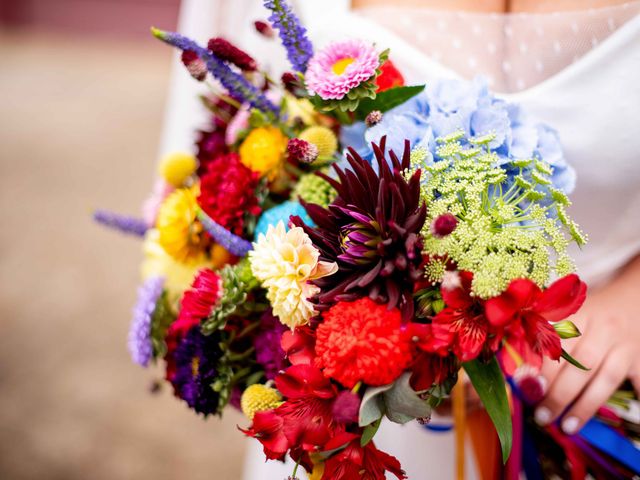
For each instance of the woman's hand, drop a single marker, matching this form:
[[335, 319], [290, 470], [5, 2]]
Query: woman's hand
[[609, 346]]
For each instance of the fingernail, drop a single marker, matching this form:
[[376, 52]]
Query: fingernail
[[570, 425], [542, 416]]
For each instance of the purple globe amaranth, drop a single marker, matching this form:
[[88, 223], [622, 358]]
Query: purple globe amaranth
[[371, 230]]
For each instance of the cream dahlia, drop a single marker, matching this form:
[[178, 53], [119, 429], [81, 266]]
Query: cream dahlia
[[285, 262]]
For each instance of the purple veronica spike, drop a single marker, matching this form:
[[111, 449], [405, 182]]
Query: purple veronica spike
[[237, 85], [238, 246], [124, 223], [292, 33], [139, 342]]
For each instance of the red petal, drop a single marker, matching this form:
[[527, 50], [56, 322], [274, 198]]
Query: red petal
[[563, 298], [542, 337], [504, 308], [459, 297], [302, 380], [471, 338]]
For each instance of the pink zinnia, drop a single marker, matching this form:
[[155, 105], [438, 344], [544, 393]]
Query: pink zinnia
[[340, 67]]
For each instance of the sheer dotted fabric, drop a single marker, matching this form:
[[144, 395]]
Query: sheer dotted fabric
[[514, 51]]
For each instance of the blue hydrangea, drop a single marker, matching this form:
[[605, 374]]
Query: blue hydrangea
[[281, 212], [449, 105]]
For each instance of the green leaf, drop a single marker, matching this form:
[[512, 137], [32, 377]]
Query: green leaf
[[488, 381], [572, 360], [385, 101], [402, 402], [369, 432], [372, 405]]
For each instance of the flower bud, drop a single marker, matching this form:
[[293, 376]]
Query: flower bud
[[228, 52], [443, 225], [373, 118], [263, 28], [566, 329], [301, 151], [195, 66]]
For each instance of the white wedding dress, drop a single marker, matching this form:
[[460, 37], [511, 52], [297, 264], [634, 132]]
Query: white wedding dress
[[576, 71]]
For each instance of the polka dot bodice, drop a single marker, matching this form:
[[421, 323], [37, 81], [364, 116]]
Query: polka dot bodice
[[513, 51]]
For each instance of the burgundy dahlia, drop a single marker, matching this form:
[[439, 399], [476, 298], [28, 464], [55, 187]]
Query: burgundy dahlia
[[371, 230], [227, 51]]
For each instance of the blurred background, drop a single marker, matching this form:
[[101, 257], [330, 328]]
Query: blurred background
[[82, 95]]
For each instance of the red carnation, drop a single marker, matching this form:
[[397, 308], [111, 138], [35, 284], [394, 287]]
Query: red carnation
[[361, 463], [524, 311], [362, 341], [227, 192], [228, 52], [389, 77]]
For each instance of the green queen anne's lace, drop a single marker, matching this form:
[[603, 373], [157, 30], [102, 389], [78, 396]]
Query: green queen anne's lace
[[507, 228]]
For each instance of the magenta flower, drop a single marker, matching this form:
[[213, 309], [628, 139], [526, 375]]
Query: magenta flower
[[340, 67]]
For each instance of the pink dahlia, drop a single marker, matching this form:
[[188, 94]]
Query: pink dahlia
[[340, 67]]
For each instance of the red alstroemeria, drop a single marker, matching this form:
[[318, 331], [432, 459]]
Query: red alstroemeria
[[461, 326], [307, 412], [525, 311], [361, 463], [267, 428]]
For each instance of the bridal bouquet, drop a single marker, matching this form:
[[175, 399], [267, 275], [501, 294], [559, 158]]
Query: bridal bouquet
[[343, 245]]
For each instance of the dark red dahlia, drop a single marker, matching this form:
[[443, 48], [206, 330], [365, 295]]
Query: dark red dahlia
[[372, 230], [228, 192]]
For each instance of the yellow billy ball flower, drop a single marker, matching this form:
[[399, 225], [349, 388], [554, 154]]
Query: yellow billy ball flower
[[263, 150], [181, 233], [258, 398], [176, 167], [323, 138]]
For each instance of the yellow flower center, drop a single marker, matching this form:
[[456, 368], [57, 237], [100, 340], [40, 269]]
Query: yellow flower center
[[195, 366], [341, 65]]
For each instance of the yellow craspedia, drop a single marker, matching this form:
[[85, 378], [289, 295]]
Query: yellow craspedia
[[181, 233], [323, 138], [263, 150], [258, 398], [176, 167]]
